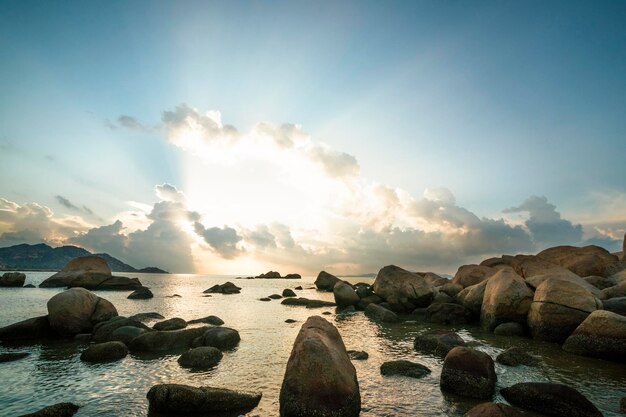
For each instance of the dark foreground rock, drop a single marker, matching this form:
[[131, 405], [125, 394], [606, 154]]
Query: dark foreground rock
[[468, 373], [515, 356], [326, 281], [345, 295], [509, 329], [175, 323], [495, 410], [147, 316], [404, 368], [104, 352], [402, 289], [176, 400], [601, 335], [12, 356], [142, 293], [214, 320], [12, 279], [289, 293], [30, 329], [448, 313], [56, 410], [166, 341], [77, 310], [223, 338], [550, 399], [301, 301], [358, 355], [378, 312], [202, 357], [437, 342], [104, 332], [615, 305], [320, 379]]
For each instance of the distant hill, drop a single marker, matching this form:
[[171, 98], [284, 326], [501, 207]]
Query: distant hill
[[42, 256]]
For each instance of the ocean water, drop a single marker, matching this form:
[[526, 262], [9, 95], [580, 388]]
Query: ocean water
[[54, 373]]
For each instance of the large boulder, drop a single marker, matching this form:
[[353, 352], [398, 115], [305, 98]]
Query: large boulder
[[104, 352], [472, 298], [29, 329], [558, 307], [380, 313], [166, 341], [202, 357], [12, 279], [448, 313], [468, 373], [550, 399], [601, 335], [600, 282], [77, 310], [176, 400], [56, 410], [562, 274], [326, 281], [320, 379], [507, 298], [437, 342], [468, 275], [345, 295], [616, 305], [90, 272], [585, 261], [615, 291], [399, 286]]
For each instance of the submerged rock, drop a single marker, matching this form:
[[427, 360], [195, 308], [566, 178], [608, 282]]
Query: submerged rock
[[404, 368], [104, 352], [202, 357], [358, 355], [320, 379], [601, 335], [147, 316], [12, 356], [166, 341], [56, 410], [468, 373], [301, 301], [438, 342], [275, 297], [29, 329], [515, 356], [292, 276], [550, 399], [12, 279], [175, 323], [326, 281], [175, 400], [214, 320], [142, 293], [509, 329], [77, 310], [378, 312]]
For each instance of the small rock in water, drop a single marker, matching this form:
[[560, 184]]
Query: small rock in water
[[378, 312], [404, 368], [223, 338], [142, 293], [104, 352], [438, 342], [290, 321], [173, 296], [29, 286], [299, 287], [515, 356], [358, 355], [226, 288], [265, 299], [551, 399], [176, 400], [469, 373], [509, 329], [275, 296], [327, 313], [56, 410], [202, 357], [214, 320], [289, 293], [126, 334], [147, 316], [12, 356], [301, 301], [12, 279], [175, 323]]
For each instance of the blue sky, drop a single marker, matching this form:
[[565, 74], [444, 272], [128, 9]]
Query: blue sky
[[494, 101]]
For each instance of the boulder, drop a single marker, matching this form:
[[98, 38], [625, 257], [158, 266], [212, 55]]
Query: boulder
[[558, 307], [380, 313], [600, 282], [468, 275], [326, 281], [301, 301], [12, 279], [561, 274], [404, 368], [265, 299], [472, 297], [615, 305], [176, 400], [214, 320], [104, 352], [202, 357], [438, 342], [585, 261], [550, 399], [166, 341], [90, 272], [442, 297], [601, 335], [175, 323], [622, 402], [447, 313], [29, 329], [56, 410], [614, 291], [225, 288], [507, 298], [275, 297], [77, 310], [222, 338], [288, 293], [269, 275], [509, 329], [103, 332], [469, 373], [433, 279], [12, 356], [320, 379], [126, 334], [495, 410], [363, 290], [147, 316], [364, 302], [292, 276], [398, 286], [515, 356], [451, 289], [358, 355], [345, 295], [142, 293]]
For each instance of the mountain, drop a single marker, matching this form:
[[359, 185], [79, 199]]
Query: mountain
[[42, 256]]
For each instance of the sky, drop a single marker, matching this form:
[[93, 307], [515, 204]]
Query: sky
[[239, 137]]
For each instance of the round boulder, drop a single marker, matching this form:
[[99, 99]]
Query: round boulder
[[438, 342], [223, 338], [509, 329], [448, 313], [468, 275], [142, 293], [399, 286], [12, 279], [175, 323], [77, 310], [515, 356], [495, 410], [202, 357], [345, 295], [288, 293], [326, 281], [404, 368], [550, 399], [507, 298], [104, 352], [601, 335], [468, 373]]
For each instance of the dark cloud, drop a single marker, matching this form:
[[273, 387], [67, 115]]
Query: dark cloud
[[130, 123], [65, 202], [222, 240]]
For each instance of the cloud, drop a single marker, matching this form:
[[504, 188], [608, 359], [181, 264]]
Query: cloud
[[69, 205], [168, 192], [336, 164], [222, 240], [188, 128], [130, 123]]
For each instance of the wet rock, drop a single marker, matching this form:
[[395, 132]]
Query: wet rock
[[126, 334], [202, 357], [223, 338], [601, 335], [166, 341], [326, 281], [289, 293], [404, 368], [175, 323], [468, 275], [345, 295], [56, 410], [142, 293], [292, 276], [12, 279], [507, 298], [290, 321], [550, 399], [320, 379], [213, 320], [103, 332], [364, 302], [29, 329], [472, 297], [92, 273], [396, 285], [447, 313], [83, 338], [104, 352], [77, 310], [301, 301], [585, 261], [438, 342], [226, 288], [174, 296], [515, 356], [614, 291], [12, 356], [615, 305], [265, 299], [358, 355], [147, 316], [510, 329], [378, 312], [299, 287], [600, 282], [275, 297], [468, 373], [345, 310], [176, 400], [495, 410]]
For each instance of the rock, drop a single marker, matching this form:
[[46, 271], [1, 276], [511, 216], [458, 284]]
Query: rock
[[275, 297], [166, 341], [29, 329], [56, 410], [601, 335], [615, 305], [550, 399], [176, 400], [214, 320], [83, 338], [147, 316], [358, 355], [12, 279], [509, 329], [104, 352], [175, 323], [320, 379], [447, 313], [468, 373], [614, 291], [299, 287], [451, 289], [345, 310], [103, 332], [77, 310], [515, 356], [290, 321], [404, 368], [622, 402], [269, 275], [442, 298], [561, 274], [364, 302], [326, 281], [92, 273], [600, 282], [288, 293], [12, 356], [301, 301], [377, 312], [434, 279], [507, 298], [223, 338], [395, 285], [142, 293], [29, 286], [202, 357], [472, 298], [438, 342], [495, 410], [585, 261], [226, 288], [178, 296], [292, 276], [558, 307], [468, 275], [345, 295], [265, 299], [127, 334]]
